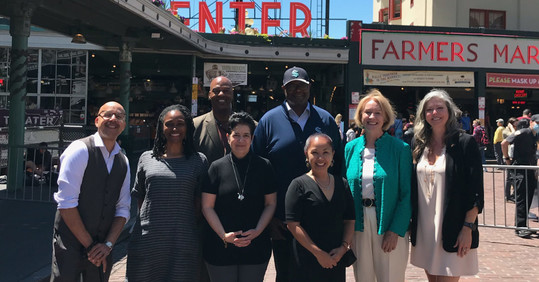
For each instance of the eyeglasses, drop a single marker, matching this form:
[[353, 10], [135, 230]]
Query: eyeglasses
[[216, 91], [108, 115]]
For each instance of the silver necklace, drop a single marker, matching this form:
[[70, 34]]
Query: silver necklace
[[320, 185], [241, 188]]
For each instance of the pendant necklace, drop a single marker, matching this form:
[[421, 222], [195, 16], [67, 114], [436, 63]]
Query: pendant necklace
[[429, 179], [241, 188]]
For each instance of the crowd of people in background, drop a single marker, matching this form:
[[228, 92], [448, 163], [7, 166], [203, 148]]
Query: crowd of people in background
[[218, 194]]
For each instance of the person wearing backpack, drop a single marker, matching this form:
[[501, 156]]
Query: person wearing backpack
[[481, 138]]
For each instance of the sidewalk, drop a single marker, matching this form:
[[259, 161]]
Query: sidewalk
[[502, 257]]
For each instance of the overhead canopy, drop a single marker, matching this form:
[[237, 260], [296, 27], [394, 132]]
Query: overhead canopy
[[108, 23]]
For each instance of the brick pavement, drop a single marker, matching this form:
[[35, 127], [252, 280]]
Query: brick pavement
[[502, 255]]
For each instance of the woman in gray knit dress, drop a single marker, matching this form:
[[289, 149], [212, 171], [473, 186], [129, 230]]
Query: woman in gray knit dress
[[165, 240]]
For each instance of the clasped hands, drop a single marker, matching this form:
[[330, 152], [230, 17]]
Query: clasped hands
[[330, 260], [98, 255], [241, 238]]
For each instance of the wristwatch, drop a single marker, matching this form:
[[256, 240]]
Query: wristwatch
[[470, 225], [108, 244]]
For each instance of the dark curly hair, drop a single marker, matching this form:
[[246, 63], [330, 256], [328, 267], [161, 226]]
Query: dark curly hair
[[159, 146], [242, 118]]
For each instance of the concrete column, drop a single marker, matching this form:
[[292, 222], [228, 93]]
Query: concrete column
[[19, 30], [125, 80]]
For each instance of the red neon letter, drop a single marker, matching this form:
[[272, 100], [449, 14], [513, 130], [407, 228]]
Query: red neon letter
[[530, 56], [242, 6], [302, 28], [429, 49], [374, 48], [409, 52], [440, 51], [392, 51], [472, 52], [266, 22], [497, 52], [175, 5], [205, 16], [518, 56], [455, 53]]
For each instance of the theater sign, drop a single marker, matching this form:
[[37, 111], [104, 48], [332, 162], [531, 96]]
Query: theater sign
[[441, 50]]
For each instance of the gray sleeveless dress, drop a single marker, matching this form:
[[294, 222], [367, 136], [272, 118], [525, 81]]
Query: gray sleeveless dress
[[164, 244]]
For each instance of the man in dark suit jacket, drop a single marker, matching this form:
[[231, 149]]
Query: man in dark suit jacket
[[211, 128]]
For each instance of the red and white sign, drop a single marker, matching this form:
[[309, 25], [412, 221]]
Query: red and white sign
[[216, 22], [511, 80], [440, 50]]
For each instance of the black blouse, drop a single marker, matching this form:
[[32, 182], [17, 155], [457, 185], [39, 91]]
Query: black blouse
[[235, 214], [323, 220]]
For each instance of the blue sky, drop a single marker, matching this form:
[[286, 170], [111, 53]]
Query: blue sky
[[340, 11], [351, 10]]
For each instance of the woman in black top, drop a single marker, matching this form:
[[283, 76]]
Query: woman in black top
[[238, 201], [320, 214]]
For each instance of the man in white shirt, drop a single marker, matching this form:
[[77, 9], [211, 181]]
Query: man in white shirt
[[93, 201]]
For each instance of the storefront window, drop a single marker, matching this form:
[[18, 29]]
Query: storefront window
[[56, 80], [4, 69]]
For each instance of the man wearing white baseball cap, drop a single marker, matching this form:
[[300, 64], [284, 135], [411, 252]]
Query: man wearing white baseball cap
[[280, 137], [497, 141]]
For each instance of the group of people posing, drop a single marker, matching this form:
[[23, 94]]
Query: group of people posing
[[219, 193]]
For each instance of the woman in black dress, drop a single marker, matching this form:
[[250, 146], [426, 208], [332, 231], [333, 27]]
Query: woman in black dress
[[238, 201], [320, 214]]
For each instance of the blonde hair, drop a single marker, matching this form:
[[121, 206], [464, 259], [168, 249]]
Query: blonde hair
[[338, 118], [387, 109]]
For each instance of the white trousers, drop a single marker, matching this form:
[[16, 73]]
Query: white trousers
[[372, 263]]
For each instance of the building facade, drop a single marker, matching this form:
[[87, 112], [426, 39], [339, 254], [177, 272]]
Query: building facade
[[507, 15], [489, 73]]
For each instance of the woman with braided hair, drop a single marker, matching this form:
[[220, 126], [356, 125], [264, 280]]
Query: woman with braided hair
[[165, 242]]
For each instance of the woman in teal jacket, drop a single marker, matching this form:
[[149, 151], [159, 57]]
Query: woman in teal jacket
[[378, 169]]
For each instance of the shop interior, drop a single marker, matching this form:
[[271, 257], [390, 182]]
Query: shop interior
[[159, 80]]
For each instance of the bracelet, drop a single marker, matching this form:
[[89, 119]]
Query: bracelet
[[91, 246], [507, 158], [224, 240], [346, 245]]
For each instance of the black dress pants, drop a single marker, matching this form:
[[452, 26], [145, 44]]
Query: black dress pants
[[283, 257], [524, 196]]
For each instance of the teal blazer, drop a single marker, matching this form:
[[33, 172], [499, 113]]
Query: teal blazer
[[392, 180]]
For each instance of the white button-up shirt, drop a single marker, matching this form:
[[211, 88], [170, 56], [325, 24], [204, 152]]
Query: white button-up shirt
[[73, 162], [302, 119]]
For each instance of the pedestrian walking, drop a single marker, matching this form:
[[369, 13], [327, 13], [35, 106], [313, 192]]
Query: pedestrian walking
[[497, 141]]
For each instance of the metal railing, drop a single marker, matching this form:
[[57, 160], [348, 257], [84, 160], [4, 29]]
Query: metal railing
[[39, 170], [39, 174], [502, 196]]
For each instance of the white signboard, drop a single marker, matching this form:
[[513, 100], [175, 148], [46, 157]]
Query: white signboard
[[418, 78], [355, 98], [481, 106], [237, 73], [440, 50]]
